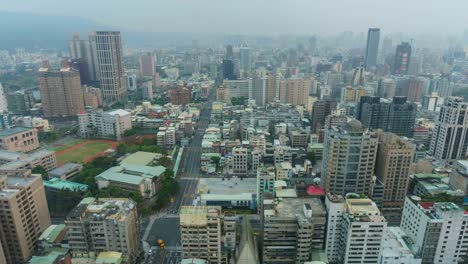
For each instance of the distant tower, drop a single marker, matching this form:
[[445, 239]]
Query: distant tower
[[229, 53], [108, 46], [245, 59], [3, 101], [372, 48], [402, 58], [147, 65]]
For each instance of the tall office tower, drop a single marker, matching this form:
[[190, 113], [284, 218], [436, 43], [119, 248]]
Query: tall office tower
[[372, 48], [271, 88], [355, 230], [3, 100], [82, 51], [147, 65], [397, 116], [113, 82], [61, 92], [260, 91], [449, 139], [387, 88], [245, 59], [415, 89], [394, 159], [387, 46], [228, 70], [402, 58], [292, 229], [349, 155], [229, 53], [444, 88], [438, 231], [24, 214], [359, 77], [75, 46], [104, 224], [320, 111], [197, 222]]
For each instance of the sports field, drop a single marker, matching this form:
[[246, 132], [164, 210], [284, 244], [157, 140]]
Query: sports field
[[82, 151]]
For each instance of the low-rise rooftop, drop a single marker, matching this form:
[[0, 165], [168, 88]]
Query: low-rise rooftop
[[58, 184], [227, 185], [14, 130], [102, 208]]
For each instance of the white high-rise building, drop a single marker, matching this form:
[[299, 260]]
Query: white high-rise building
[[355, 230], [450, 135], [245, 59], [3, 101], [438, 231]]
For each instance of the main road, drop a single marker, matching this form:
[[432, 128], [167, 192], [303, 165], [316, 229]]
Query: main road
[[165, 224]]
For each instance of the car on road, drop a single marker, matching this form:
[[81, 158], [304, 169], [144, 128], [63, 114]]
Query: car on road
[[161, 243]]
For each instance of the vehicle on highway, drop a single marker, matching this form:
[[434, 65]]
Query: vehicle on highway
[[161, 243]]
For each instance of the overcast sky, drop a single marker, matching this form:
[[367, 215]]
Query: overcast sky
[[261, 16]]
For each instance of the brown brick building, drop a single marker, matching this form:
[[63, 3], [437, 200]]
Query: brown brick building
[[180, 96], [61, 92]]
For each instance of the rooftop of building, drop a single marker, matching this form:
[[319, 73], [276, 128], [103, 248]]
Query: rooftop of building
[[25, 159], [300, 208], [227, 186], [13, 131], [58, 184], [53, 234], [197, 215], [109, 257], [66, 168], [364, 210], [131, 174], [119, 112], [47, 259], [141, 158], [396, 243], [102, 208]]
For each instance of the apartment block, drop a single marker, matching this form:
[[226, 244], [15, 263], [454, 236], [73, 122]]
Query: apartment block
[[394, 159], [61, 92], [239, 160], [292, 229], [438, 231], [24, 214], [202, 232], [450, 136], [98, 124], [355, 230], [104, 224], [19, 139]]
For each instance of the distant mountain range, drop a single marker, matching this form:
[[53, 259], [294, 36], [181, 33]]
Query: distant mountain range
[[33, 31]]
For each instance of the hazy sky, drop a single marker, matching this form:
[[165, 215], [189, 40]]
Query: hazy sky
[[260, 16]]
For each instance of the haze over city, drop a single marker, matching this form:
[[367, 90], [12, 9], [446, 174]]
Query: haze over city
[[233, 132], [261, 17]]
